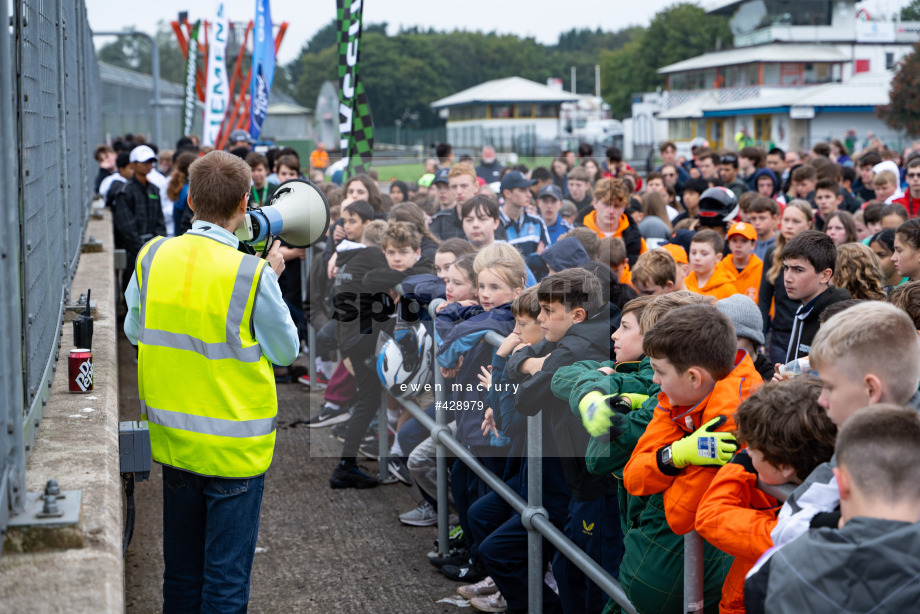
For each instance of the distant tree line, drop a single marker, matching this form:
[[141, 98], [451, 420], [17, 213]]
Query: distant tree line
[[407, 71]]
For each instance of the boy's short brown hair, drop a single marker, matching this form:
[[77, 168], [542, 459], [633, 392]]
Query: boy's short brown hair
[[573, 288], [580, 173], [815, 247], [100, 151], [399, 235], [608, 189], [527, 304], [462, 168], [254, 159], [906, 297], [872, 337], [663, 303], [216, 184], [804, 172], [879, 446], [655, 267], [637, 306], [694, 336], [763, 204], [291, 162], [480, 203], [828, 185], [873, 211], [587, 238], [712, 238], [885, 178], [746, 200], [611, 251], [373, 233], [785, 423]]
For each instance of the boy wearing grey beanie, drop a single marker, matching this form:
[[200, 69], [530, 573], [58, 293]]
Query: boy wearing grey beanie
[[745, 316]]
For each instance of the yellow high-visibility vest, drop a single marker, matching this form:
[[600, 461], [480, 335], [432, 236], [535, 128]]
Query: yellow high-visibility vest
[[207, 390]]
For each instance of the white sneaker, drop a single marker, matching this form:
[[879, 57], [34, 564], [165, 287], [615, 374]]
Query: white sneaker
[[480, 589], [422, 516], [490, 603]]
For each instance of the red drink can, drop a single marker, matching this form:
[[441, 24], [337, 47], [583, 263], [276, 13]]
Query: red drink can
[[80, 370]]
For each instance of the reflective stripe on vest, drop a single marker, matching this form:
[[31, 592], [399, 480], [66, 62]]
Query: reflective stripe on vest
[[207, 425], [232, 347], [204, 385]]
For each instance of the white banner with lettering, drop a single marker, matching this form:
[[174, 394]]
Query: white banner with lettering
[[217, 95]]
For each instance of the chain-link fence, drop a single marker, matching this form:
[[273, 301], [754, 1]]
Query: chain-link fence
[[49, 123]]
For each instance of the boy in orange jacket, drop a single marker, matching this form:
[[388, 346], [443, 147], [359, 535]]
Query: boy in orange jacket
[[787, 434], [703, 379], [741, 263], [706, 277]]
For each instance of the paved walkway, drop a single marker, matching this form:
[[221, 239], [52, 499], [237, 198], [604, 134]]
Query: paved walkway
[[320, 550]]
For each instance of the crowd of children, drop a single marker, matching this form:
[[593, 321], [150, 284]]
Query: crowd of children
[[682, 339]]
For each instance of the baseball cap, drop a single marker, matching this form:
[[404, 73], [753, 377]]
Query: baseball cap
[[441, 176], [550, 191], [142, 153], [239, 136], [677, 252], [515, 179], [745, 230]]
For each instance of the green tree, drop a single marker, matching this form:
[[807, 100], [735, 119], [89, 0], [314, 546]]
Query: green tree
[[903, 110], [677, 33], [134, 53], [911, 12]]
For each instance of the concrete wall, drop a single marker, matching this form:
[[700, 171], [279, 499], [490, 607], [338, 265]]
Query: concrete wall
[[77, 445]]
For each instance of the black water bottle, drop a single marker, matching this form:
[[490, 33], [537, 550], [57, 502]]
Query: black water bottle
[[83, 327]]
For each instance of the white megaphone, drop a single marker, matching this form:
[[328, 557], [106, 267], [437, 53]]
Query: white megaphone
[[297, 213]]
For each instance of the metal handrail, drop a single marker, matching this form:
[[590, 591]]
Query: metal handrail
[[533, 515]]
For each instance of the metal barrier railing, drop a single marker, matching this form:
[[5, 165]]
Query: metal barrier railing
[[533, 515]]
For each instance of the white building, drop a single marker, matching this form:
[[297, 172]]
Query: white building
[[511, 114], [800, 72]]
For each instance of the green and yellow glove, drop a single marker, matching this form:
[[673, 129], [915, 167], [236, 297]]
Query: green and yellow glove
[[705, 447], [600, 411]]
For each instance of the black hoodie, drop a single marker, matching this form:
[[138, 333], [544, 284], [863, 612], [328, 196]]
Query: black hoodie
[[805, 323], [588, 340]]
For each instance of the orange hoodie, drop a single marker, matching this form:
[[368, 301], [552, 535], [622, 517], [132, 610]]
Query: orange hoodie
[[737, 518], [591, 222], [682, 493], [746, 282], [720, 285]]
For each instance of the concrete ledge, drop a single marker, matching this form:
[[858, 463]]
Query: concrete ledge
[[77, 445]]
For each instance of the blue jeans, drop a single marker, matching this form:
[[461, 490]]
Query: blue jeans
[[210, 527]]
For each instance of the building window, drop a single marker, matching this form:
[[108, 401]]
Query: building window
[[502, 111], [763, 128], [681, 129], [545, 110], [889, 60]]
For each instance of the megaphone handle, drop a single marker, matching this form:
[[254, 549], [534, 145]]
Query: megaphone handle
[[268, 245]]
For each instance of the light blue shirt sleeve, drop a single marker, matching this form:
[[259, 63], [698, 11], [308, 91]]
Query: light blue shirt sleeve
[[274, 328], [272, 323]]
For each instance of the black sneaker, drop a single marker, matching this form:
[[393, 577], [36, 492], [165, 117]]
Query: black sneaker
[[458, 557], [349, 476], [328, 416], [400, 471], [370, 448], [464, 573], [340, 430]]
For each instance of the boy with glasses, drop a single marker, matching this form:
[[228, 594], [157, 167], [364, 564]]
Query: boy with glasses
[[911, 199]]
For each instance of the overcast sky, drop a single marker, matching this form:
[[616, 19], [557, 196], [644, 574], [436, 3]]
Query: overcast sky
[[542, 19]]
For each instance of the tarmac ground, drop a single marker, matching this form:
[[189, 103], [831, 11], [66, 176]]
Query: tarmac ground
[[319, 550]]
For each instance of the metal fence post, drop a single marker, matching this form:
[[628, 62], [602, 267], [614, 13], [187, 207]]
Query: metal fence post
[[12, 457], [534, 505], [440, 417], [383, 445], [693, 572]]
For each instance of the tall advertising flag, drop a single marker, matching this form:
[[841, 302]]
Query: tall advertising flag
[[263, 68], [217, 96], [355, 124], [191, 73]]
